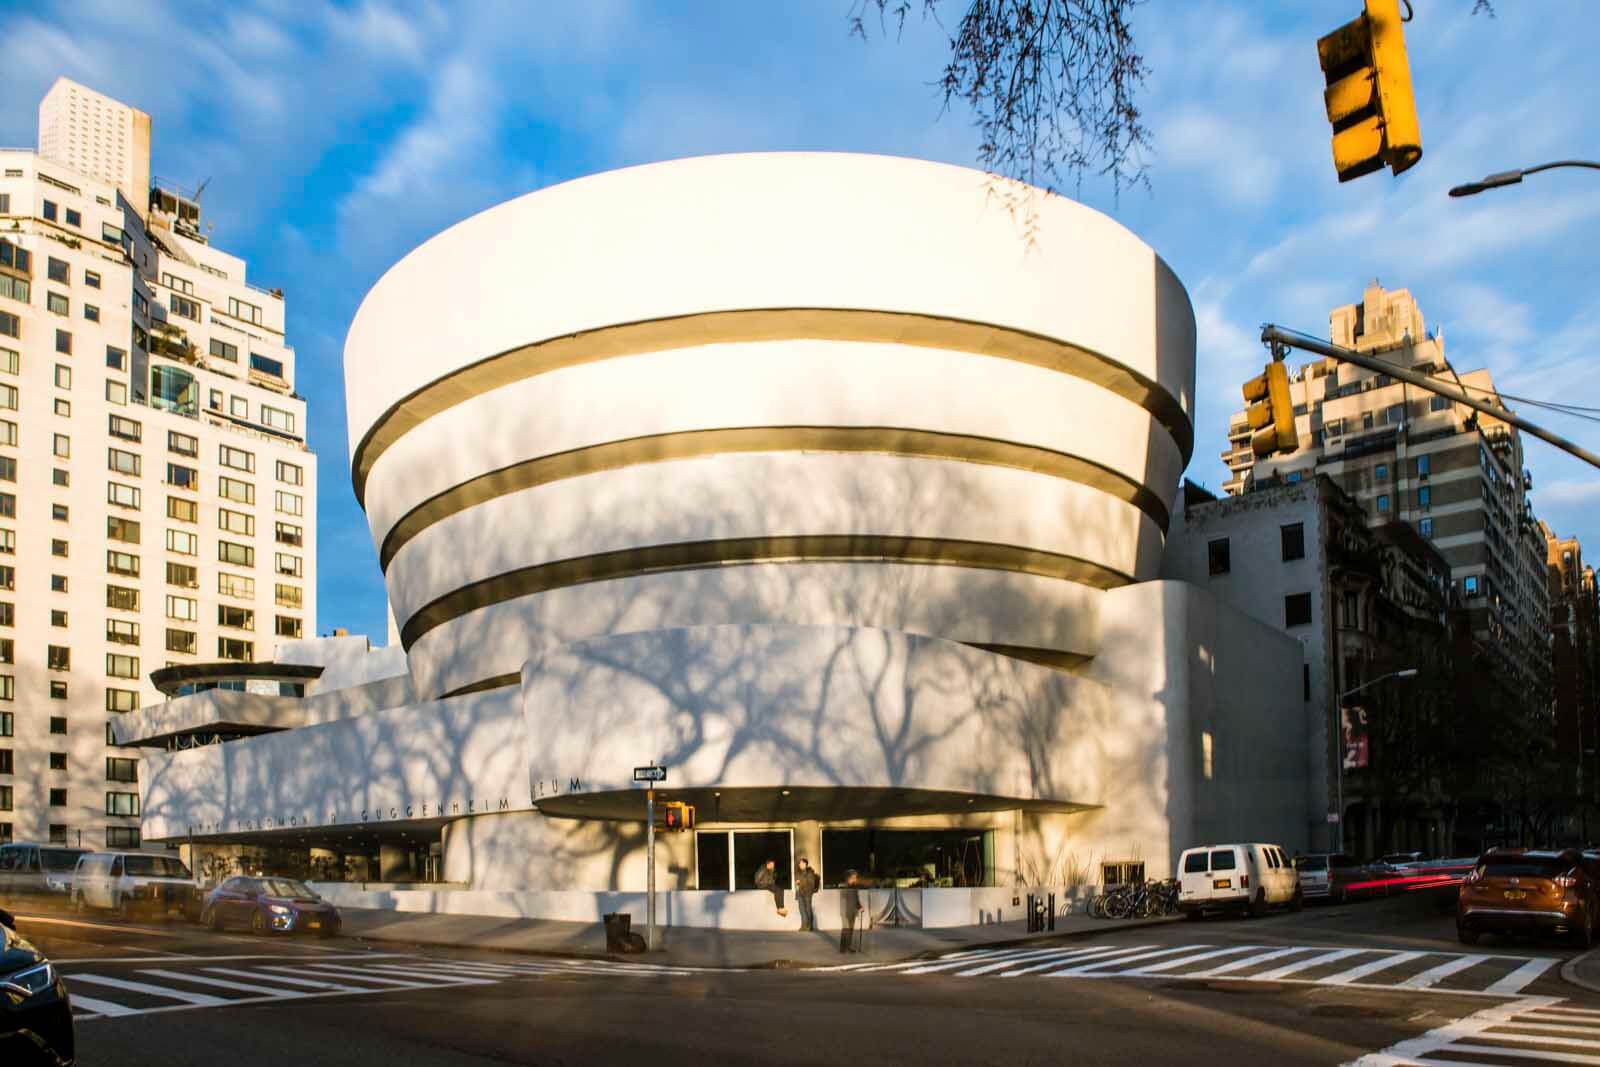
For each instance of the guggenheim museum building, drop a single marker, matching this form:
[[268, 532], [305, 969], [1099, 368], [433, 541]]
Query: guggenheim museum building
[[835, 484]]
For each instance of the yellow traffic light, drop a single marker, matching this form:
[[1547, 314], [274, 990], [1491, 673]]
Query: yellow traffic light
[[1369, 98], [1271, 412]]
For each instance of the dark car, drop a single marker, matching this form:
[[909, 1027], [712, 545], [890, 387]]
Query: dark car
[[1516, 890], [35, 1014], [269, 905]]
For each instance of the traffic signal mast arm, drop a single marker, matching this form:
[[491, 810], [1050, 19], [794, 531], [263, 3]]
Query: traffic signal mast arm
[[1272, 335]]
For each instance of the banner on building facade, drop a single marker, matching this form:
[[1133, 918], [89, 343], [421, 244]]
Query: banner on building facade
[[1354, 737]]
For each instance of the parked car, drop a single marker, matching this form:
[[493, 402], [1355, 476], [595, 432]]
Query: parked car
[[1515, 890], [1324, 875], [135, 883], [270, 905], [29, 870], [35, 1012], [1403, 859], [1250, 878]]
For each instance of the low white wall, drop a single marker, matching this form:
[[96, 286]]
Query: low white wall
[[743, 910]]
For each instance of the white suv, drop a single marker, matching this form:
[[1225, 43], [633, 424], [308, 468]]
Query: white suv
[[1248, 877], [129, 882]]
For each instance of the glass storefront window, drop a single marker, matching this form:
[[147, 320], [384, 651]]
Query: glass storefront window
[[909, 858], [174, 389]]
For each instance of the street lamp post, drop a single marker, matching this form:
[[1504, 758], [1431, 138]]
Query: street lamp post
[[1409, 672], [1513, 177]]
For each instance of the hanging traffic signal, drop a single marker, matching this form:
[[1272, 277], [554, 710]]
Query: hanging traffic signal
[[1369, 98], [677, 815], [1270, 411]]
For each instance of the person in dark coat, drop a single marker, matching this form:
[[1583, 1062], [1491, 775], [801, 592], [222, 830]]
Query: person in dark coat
[[850, 909], [767, 878], [806, 884]]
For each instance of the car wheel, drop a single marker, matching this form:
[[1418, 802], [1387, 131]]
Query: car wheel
[[1467, 937], [78, 906], [1257, 907], [258, 925], [1297, 901], [121, 910]]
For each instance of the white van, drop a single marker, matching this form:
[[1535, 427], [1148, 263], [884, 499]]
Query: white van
[[135, 882], [1248, 877]]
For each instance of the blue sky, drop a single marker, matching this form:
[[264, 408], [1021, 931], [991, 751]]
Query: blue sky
[[338, 137]]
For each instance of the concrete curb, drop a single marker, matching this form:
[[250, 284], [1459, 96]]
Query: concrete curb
[[1569, 971], [664, 958]]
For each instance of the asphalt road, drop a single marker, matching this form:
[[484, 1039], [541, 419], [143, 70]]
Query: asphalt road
[[1355, 980]]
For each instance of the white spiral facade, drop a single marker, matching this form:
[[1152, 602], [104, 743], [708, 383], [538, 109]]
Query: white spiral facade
[[808, 389]]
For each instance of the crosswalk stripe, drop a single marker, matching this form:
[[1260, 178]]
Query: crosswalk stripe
[[1095, 965], [1434, 975], [432, 975], [1519, 978], [351, 973], [286, 979], [223, 983], [202, 999], [1519, 1053], [99, 1007], [1252, 961], [1589, 1013], [1384, 963], [1306, 964], [1046, 965], [944, 963], [1183, 961], [1543, 1028], [1054, 954]]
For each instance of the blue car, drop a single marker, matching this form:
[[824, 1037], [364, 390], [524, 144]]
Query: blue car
[[269, 906], [35, 1013]]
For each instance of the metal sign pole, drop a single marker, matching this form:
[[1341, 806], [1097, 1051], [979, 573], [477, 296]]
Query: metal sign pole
[[650, 861]]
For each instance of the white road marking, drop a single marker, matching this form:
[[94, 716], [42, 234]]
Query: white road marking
[[347, 974], [1104, 955], [1433, 975], [1383, 963], [1471, 1034], [223, 983], [98, 1007], [1054, 955], [1253, 961], [286, 979], [204, 1000], [1091, 967], [1306, 964], [1518, 979], [1184, 961]]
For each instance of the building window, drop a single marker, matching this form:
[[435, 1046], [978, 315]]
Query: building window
[[1471, 585], [74, 217], [57, 304], [183, 477], [58, 618], [277, 419], [184, 307], [122, 632], [1424, 466], [289, 473], [184, 641], [8, 542], [183, 608], [1383, 504], [235, 649], [58, 689], [287, 565], [8, 691], [127, 429], [183, 444], [287, 626], [182, 510], [1297, 609], [223, 350], [1218, 556], [238, 407], [237, 458], [58, 271], [241, 310], [122, 803], [58, 657], [58, 547], [58, 725], [8, 505], [182, 285], [58, 798], [58, 833], [272, 368], [236, 522], [61, 477], [121, 529], [123, 563], [288, 534], [288, 503], [8, 397], [10, 325], [1438, 403], [236, 586], [1425, 498], [91, 313], [236, 554], [235, 490], [126, 496], [63, 407], [120, 666], [183, 576], [121, 701], [122, 598], [61, 446], [7, 764], [183, 543], [119, 769], [124, 462], [1351, 606], [287, 596], [1293, 538], [91, 279], [237, 618], [1381, 472], [122, 837], [11, 362], [59, 512], [51, 212], [1425, 527], [116, 393]]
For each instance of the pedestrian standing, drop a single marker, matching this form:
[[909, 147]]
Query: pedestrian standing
[[767, 878], [806, 884], [850, 909]]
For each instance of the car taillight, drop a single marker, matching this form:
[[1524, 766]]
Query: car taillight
[[1566, 881], [1475, 876], [1244, 882]]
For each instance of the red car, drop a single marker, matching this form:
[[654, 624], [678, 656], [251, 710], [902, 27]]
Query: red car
[[1515, 890]]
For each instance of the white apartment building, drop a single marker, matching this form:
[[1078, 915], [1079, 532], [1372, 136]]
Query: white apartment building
[[1407, 455], [97, 136], [157, 499]]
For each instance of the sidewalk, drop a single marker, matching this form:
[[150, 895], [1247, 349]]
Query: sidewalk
[[698, 947], [1584, 971]]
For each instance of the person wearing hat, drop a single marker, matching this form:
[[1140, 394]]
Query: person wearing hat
[[806, 884], [850, 908]]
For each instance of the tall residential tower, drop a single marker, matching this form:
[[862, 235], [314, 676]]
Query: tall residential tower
[[157, 499]]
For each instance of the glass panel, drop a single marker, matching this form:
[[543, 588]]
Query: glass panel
[[711, 859], [753, 848], [174, 389]]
